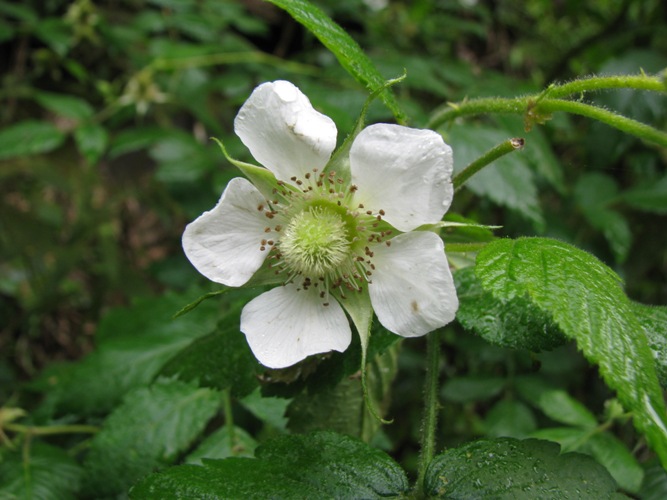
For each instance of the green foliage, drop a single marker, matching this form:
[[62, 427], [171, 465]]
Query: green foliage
[[346, 50], [45, 471], [147, 432], [134, 344], [590, 308], [516, 323], [535, 467], [29, 137], [105, 155], [322, 465]]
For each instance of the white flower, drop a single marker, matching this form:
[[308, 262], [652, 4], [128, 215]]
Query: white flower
[[326, 236]]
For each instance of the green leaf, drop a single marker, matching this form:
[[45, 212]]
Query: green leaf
[[618, 460], [346, 50], [29, 137], [508, 181], [594, 193], [585, 299], [654, 486], [270, 410], [516, 323], [648, 198], [221, 360], [56, 33], [343, 408], [569, 438], [134, 343], [224, 443], [561, 407], [510, 418], [92, 141], [653, 319], [317, 465], [65, 105], [467, 388], [39, 471], [508, 468], [147, 432]]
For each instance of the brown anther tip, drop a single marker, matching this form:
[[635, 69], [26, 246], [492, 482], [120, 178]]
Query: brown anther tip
[[381, 212]]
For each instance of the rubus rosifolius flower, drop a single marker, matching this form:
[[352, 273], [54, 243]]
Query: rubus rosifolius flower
[[342, 233]]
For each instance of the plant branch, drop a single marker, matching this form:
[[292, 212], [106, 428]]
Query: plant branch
[[431, 405], [489, 157]]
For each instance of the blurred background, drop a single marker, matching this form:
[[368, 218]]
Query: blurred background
[[107, 108]]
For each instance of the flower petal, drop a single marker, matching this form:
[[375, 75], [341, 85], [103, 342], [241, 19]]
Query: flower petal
[[412, 290], [284, 132], [404, 171], [224, 243], [285, 325]]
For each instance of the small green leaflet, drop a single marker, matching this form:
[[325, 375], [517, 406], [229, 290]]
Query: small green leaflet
[[585, 299], [346, 50], [315, 465]]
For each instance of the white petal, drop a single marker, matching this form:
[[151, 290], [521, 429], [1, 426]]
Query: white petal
[[284, 326], [412, 289], [404, 171], [224, 243], [283, 131]]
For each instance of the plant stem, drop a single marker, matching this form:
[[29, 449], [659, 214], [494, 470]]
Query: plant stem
[[431, 405], [537, 107], [489, 157], [229, 417]]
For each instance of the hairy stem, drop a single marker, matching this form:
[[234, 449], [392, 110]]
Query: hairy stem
[[487, 158], [537, 107], [431, 405]]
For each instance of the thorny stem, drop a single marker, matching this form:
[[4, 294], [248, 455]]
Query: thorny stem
[[489, 157], [431, 406], [537, 108]]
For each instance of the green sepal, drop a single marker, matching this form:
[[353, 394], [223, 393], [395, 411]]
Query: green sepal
[[262, 178], [340, 160], [186, 309], [358, 307]]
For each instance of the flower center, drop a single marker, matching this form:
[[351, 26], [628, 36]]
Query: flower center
[[315, 242]]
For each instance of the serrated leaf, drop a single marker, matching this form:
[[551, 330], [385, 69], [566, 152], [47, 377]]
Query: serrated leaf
[[585, 299], [147, 432], [29, 137], [508, 468], [653, 320], [514, 323], [134, 343], [346, 50], [65, 105], [561, 407], [39, 471], [317, 465], [92, 140], [221, 360], [508, 182]]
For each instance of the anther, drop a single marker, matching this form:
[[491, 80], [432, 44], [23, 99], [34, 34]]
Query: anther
[[381, 212], [260, 207]]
